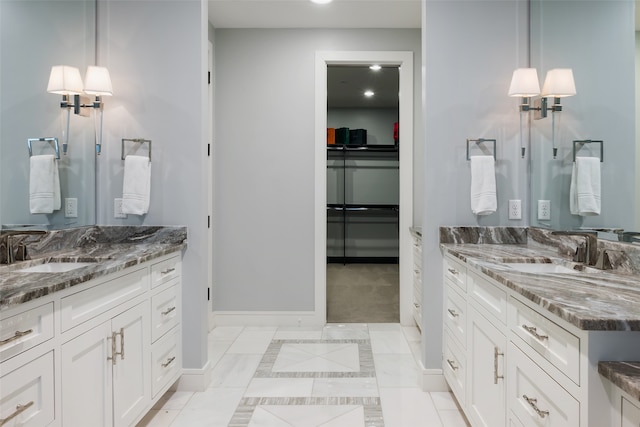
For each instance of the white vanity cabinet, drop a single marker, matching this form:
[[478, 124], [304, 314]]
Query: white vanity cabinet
[[86, 355], [630, 413], [624, 408], [417, 280]]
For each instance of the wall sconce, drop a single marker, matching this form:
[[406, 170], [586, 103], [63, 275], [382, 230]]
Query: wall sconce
[[557, 84], [66, 81], [524, 84]]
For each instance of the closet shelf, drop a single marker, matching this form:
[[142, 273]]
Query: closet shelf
[[385, 148], [356, 208]]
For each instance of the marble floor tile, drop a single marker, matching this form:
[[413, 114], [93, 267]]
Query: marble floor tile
[[158, 418], [173, 400], [217, 349], [279, 387], [339, 331], [444, 401], [411, 333], [225, 333], [318, 357], [252, 341], [396, 370], [308, 416], [384, 327], [234, 370], [453, 418], [345, 387], [211, 408], [301, 333], [403, 407], [389, 342]]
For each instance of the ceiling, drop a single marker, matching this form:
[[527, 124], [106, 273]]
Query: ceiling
[[304, 14], [346, 86]]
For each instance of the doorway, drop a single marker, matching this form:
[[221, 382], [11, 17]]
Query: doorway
[[404, 63]]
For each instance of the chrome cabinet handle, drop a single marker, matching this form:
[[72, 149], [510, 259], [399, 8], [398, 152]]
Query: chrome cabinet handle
[[168, 362], [15, 336], [121, 344], [113, 348], [533, 331], [496, 353], [168, 270], [168, 310], [453, 271], [534, 404], [19, 409], [453, 365], [453, 312], [416, 305]]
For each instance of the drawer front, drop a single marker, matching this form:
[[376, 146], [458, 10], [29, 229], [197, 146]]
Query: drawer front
[[25, 330], [456, 272], [163, 271], [417, 252], [630, 414], [165, 311], [489, 296], [535, 398], [551, 341], [455, 314], [455, 368], [84, 305], [28, 395], [166, 361]]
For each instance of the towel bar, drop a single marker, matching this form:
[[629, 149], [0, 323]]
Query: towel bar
[[55, 145], [479, 141], [138, 140], [588, 141]]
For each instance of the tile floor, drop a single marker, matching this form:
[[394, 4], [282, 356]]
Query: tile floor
[[341, 375]]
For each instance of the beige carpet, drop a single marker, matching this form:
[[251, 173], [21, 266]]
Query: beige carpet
[[363, 293]]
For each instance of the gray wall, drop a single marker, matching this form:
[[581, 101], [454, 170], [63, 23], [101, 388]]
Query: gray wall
[[156, 54], [377, 121], [264, 170], [470, 49]]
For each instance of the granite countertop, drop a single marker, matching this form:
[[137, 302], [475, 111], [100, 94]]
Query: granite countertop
[[109, 249], [590, 299], [625, 375]]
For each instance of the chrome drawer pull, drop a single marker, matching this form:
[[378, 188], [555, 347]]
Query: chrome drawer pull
[[496, 353], [168, 362], [453, 271], [533, 403], [168, 310], [416, 305], [168, 270], [113, 348], [533, 331], [453, 312], [15, 336], [452, 365], [19, 409]]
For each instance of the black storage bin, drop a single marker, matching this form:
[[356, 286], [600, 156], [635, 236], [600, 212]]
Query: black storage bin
[[342, 136], [358, 137]]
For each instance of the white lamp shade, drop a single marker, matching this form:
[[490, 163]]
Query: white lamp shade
[[524, 83], [65, 80], [97, 81], [559, 83]]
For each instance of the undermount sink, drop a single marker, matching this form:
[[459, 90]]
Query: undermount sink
[[54, 267], [541, 268]]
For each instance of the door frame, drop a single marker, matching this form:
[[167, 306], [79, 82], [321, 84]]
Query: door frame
[[404, 61]]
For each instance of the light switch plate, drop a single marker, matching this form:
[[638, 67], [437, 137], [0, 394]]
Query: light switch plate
[[71, 207], [544, 209], [515, 209], [117, 209]]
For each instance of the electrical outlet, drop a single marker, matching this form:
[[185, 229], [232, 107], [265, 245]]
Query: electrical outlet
[[70, 207], [544, 209], [117, 209], [515, 209]]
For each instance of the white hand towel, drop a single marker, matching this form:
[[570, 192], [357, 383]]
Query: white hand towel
[[483, 185], [136, 188], [584, 191], [44, 184]]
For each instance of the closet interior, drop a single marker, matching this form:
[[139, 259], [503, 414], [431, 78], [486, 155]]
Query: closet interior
[[362, 194]]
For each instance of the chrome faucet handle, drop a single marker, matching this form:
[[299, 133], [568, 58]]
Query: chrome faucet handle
[[590, 256], [604, 262], [581, 253]]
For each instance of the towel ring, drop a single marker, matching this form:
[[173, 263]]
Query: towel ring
[[588, 141], [137, 140], [480, 141], [55, 145]]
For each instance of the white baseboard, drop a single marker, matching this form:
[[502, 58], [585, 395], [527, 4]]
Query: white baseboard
[[267, 318], [433, 380], [194, 379]]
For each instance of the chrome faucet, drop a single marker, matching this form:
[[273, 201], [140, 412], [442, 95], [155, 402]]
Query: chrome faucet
[[629, 236], [7, 253], [587, 254]]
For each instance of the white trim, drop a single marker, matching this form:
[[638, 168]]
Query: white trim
[[433, 380], [405, 61], [194, 379], [268, 318]]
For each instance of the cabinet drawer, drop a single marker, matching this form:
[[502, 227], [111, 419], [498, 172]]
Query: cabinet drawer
[[551, 341], [165, 311], [535, 398], [456, 272], [455, 314], [489, 296], [28, 395], [455, 368], [166, 270], [25, 330], [166, 361], [86, 304]]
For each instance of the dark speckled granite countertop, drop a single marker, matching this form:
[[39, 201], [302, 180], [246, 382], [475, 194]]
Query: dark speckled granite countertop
[[109, 249], [625, 375]]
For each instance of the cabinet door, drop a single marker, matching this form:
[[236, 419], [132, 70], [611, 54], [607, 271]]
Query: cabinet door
[[131, 370], [630, 414], [486, 398], [87, 384]]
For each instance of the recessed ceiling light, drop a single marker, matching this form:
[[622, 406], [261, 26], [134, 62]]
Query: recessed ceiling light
[[321, 1], [368, 93], [375, 67]]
